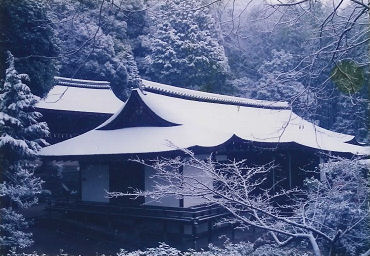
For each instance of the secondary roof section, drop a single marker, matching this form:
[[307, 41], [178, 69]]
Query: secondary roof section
[[80, 96]]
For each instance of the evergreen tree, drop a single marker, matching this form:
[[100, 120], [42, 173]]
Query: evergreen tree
[[21, 136], [185, 47], [95, 45], [27, 32], [279, 83]]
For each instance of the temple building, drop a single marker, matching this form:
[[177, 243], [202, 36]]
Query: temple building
[[156, 121]]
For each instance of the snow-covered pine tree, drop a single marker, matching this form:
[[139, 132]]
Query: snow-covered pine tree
[[185, 47], [21, 136]]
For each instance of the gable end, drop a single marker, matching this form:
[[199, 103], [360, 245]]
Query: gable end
[[136, 114]]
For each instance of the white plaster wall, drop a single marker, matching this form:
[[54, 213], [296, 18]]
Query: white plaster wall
[[94, 183], [169, 201], [202, 178]]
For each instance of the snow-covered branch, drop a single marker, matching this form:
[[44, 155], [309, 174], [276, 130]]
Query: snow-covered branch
[[241, 190]]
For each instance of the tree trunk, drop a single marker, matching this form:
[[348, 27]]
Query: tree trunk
[[315, 246]]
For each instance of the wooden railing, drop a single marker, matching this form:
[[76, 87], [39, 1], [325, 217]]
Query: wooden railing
[[196, 213], [192, 227]]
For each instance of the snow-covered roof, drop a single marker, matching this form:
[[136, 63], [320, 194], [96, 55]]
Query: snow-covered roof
[[169, 90], [196, 119], [81, 96]]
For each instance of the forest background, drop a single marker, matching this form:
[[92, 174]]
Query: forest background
[[305, 53]]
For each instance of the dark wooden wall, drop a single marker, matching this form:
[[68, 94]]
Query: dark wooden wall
[[64, 125]]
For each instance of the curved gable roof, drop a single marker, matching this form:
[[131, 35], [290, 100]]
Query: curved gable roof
[[199, 119]]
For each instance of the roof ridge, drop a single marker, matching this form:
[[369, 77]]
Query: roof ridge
[[179, 92], [66, 81]]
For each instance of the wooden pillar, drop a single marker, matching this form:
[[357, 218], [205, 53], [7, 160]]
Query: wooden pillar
[[181, 171], [233, 232], [210, 227], [194, 234], [290, 169], [273, 175], [81, 165], [165, 231]]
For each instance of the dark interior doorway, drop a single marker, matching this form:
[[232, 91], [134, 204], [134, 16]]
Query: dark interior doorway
[[124, 176]]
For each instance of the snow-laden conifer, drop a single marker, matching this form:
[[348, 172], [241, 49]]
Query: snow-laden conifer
[[186, 49], [21, 136]]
